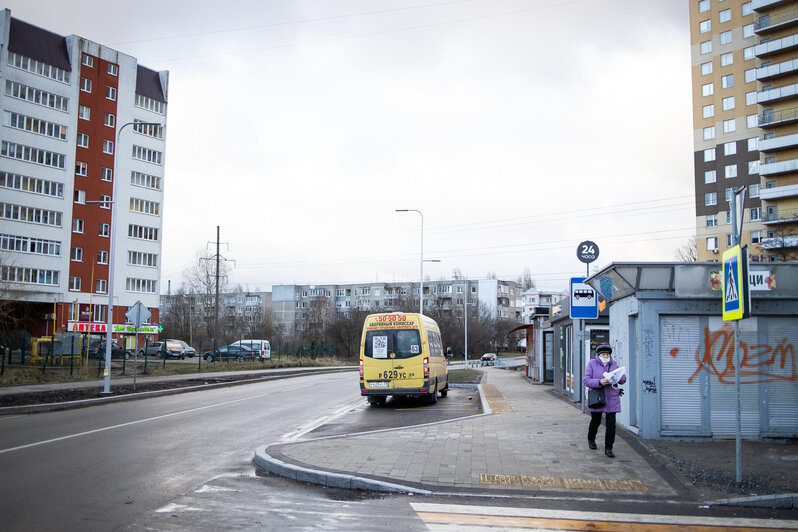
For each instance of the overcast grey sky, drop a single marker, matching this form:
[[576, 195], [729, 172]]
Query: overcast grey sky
[[518, 127]]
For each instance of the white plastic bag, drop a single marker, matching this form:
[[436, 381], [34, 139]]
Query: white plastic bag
[[614, 376]]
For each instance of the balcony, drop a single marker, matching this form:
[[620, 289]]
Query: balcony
[[776, 21], [778, 143], [780, 242], [778, 168], [770, 194], [778, 46], [777, 118], [785, 216], [758, 5], [777, 70], [776, 95]]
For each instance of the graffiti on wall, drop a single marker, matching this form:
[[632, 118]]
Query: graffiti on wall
[[760, 363]]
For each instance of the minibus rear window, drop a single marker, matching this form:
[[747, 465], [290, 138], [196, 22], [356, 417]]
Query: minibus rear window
[[404, 343]]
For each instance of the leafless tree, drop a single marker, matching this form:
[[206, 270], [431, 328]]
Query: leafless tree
[[15, 314], [688, 252], [200, 280]]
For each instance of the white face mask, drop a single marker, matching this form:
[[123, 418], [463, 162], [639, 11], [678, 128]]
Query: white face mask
[[604, 359]]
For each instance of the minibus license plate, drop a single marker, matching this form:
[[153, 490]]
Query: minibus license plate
[[380, 384]]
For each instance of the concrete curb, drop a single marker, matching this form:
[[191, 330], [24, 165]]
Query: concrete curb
[[69, 405], [326, 478], [784, 500]]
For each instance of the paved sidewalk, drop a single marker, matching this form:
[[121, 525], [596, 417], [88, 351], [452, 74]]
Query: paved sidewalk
[[534, 443]]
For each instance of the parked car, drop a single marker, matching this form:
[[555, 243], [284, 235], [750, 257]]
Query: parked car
[[97, 349], [174, 349], [188, 351], [488, 359], [238, 353], [262, 348], [151, 349]]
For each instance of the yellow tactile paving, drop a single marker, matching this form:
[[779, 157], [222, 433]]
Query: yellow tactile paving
[[595, 484], [495, 400]]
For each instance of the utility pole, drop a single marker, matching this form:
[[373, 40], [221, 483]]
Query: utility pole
[[218, 258]]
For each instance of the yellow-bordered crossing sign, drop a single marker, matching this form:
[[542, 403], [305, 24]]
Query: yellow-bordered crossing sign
[[736, 294]]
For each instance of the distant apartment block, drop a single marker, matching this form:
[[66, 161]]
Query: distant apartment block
[[745, 114], [63, 161], [302, 307]]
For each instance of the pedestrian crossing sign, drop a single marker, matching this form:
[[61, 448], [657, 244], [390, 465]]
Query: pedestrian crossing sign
[[736, 294]]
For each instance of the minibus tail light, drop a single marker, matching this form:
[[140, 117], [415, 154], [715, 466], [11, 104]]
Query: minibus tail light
[[361, 369], [426, 368]]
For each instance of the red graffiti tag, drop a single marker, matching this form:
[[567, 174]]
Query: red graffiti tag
[[757, 364]]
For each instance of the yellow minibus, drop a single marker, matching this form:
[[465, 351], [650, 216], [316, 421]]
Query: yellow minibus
[[401, 354]]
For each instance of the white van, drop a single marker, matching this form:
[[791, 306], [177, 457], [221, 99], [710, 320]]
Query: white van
[[262, 348]]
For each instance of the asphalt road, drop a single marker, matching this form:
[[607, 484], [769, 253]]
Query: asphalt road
[[100, 468]]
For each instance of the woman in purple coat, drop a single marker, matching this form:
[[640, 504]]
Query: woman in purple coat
[[594, 378]]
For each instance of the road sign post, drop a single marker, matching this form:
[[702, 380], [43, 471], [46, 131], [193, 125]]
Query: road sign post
[[138, 314]]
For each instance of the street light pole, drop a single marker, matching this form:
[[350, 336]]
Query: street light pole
[[111, 236], [421, 262]]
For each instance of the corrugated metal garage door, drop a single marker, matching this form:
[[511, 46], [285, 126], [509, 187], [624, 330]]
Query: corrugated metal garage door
[[782, 386], [680, 399]]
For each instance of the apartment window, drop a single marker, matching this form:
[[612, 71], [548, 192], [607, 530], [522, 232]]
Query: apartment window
[[145, 180], [728, 217], [725, 37], [753, 143], [706, 47], [113, 69], [755, 214], [110, 93], [712, 243], [751, 121], [33, 215], [145, 102], [712, 220], [748, 53], [35, 125], [105, 229], [84, 112], [709, 133], [728, 103], [80, 196], [105, 200], [76, 255], [139, 258], [74, 284], [728, 241], [753, 190], [146, 154], [85, 84], [753, 169], [100, 286], [750, 98], [724, 15], [710, 176], [730, 126], [726, 59], [729, 194], [102, 257], [729, 148], [88, 61], [146, 286], [108, 146], [748, 31], [756, 237], [709, 155], [707, 89], [750, 75], [110, 119], [703, 6], [706, 68], [730, 171], [81, 168], [32, 185], [37, 96], [708, 111], [108, 174], [727, 81], [705, 26], [142, 232], [37, 67], [83, 140], [144, 206], [710, 198], [77, 225]]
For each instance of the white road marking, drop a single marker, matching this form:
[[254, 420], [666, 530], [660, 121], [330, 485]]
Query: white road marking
[[501, 511], [129, 423], [172, 507], [301, 431]]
